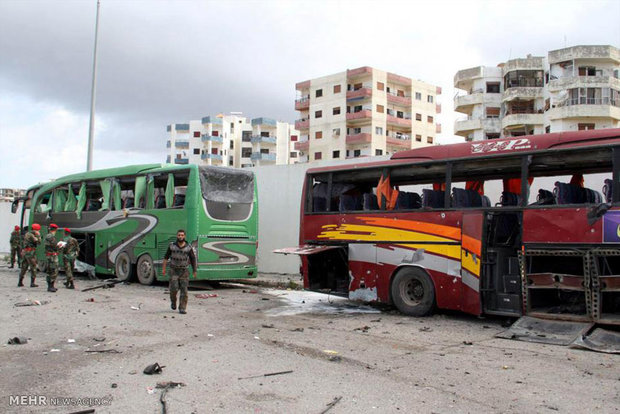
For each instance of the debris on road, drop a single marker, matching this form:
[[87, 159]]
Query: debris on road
[[330, 352], [266, 375], [137, 307], [206, 295], [153, 369], [166, 386], [99, 338], [267, 326], [32, 302], [426, 329], [467, 343], [108, 284], [364, 328], [169, 384], [89, 300], [297, 330], [103, 351], [18, 340], [331, 404], [71, 341]]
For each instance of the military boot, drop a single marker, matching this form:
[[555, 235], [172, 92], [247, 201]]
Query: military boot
[[70, 285], [50, 287], [32, 284], [21, 282]]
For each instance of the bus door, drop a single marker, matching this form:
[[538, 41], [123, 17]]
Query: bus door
[[471, 261]]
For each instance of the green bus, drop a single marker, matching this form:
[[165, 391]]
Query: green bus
[[124, 218]]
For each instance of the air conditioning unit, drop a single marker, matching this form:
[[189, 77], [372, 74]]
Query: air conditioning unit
[[301, 153]]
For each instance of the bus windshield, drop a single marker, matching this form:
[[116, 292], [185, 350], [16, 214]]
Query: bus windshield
[[225, 185]]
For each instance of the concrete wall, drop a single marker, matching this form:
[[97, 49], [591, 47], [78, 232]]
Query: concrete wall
[[8, 221]]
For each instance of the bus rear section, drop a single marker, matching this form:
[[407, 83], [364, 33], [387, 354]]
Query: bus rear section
[[228, 224]]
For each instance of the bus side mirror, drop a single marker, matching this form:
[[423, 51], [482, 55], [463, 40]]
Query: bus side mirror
[[14, 206]]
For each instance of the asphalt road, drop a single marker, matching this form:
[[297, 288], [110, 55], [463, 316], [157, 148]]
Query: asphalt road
[[358, 358]]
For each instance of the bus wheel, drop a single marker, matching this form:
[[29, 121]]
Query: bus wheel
[[145, 270], [413, 292], [122, 267]]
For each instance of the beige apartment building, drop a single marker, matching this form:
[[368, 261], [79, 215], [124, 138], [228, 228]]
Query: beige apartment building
[[232, 141], [570, 89], [364, 112]]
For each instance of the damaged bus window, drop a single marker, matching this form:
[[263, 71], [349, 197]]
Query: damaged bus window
[[228, 193]]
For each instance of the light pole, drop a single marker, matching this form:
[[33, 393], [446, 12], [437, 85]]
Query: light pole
[[91, 127]]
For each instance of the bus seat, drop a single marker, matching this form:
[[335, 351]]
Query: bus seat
[[179, 200], [128, 202], [607, 190], [350, 203], [486, 201], [406, 201], [93, 205], [545, 198], [592, 196], [433, 198], [160, 202], [370, 202], [466, 198], [572, 194], [509, 199], [319, 204]]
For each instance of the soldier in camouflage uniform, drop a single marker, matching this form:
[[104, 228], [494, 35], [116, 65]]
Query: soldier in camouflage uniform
[[51, 251], [31, 240], [70, 251], [16, 246], [181, 255]]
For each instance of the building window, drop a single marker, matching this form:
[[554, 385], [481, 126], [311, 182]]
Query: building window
[[418, 96], [357, 131], [336, 111], [264, 134], [380, 109], [418, 138], [196, 151], [319, 93], [380, 86], [584, 127], [232, 145], [357, 153], [400, 93], [492, 135], [492, 112], [378, 152], [429, 119], [492, 87], [246, 152], [379, 130], [336, 132], [215, 133], [318, 114], [336, 154], [400, 114], [293, 155], [337, 88], [587, 71], [429, 140], [318, 155], [293, 138], [196, 134], [264, 151], [232, 126], [547, 129], [418, 117], [357, 86], [318, 134], [429, 99]]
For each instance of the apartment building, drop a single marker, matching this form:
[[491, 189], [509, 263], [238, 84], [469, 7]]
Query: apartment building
[[570, 89], [364, 112], [231, 141], [9, 194]]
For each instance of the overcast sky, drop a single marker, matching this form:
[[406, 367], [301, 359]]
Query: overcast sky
[[162, 62]]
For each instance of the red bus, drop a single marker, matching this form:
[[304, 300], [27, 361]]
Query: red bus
[[420, 232]]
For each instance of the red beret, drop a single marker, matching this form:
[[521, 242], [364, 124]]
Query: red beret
[[36, 226], [16, 227], [67, 230], [53, 226]]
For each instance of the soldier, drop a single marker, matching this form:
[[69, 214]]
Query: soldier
[[51, 251], [31, 240], [16, 246], [181, 255], [70, 251]]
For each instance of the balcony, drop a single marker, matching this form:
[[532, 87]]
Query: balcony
[[302, 146], [181, 160], [364, 114], [181, 144], [438, 108], [491, 125], [301, 124], [212, 120], [263, 140], [359, 94], [466, 76], [572, 82], [466, 126], [586, 107], [438, 128], [531, 63], [401, 141], [168, 144], [302, 103], [398, 100], [212, 138], [167, 159], [519, 119], [181, 127], [393, 120], [259, 156], [264, 122], [356, 73], [208, 156], [302, 159], [606, 53], [300, 86], [398, 79], [519, 92], [361, 138]]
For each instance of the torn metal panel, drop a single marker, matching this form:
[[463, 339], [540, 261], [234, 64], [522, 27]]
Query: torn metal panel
[[531, 329], [600, 340]]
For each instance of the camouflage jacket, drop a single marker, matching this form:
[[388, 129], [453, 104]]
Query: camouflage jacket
[[16, 239], [31, 241], [72, 248], [51, 244]]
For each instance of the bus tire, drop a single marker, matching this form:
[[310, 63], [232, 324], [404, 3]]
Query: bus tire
[[123, 268], [145, 270], [413, 292]]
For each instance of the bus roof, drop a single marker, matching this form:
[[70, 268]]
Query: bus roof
[[489, 148]]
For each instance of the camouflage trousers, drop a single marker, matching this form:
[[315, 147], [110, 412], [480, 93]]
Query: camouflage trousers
[[15, 254], [179, 281], [69, 263], [29, 262], [52, 269]]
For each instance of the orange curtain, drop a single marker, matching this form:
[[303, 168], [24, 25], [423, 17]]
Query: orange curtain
[[513, 185], [387, 193], [477, 186], [577, 179], [439, 186]]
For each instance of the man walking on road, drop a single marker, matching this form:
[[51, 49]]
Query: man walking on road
[[70, 251], [16, 246], [51, 251], [31, 240], [181, 255]]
